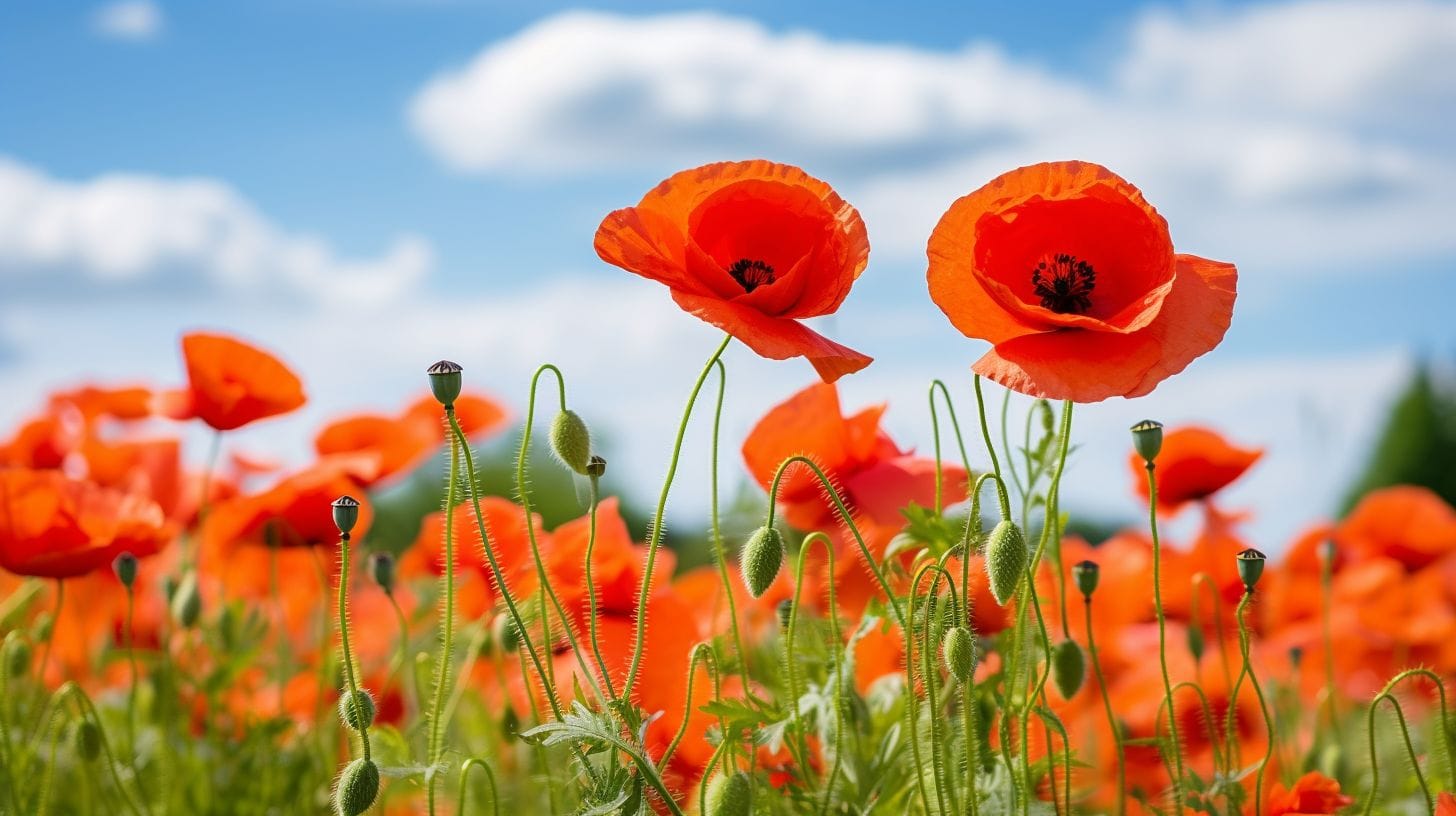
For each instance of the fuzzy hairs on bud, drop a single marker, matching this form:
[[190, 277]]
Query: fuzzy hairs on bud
[[728, 795], [571, 441], [357, 788], [1006, 558], [762, 557]]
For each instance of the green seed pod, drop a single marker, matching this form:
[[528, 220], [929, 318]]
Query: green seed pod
[[1195, 642], [1006, 558], [1069, 668], [959, 651], [17, 655], [1086, 574], [381, 568], [729, 795], [356, 709], [1147, 439], [761, 559], [187, 602], [357, 788], [125, 567], [346, 513], [86, 740], [1251, 566], [1296, 657], [445, 381], [571, 441]]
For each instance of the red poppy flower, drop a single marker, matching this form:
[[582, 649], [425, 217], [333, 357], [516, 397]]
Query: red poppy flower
[[752, 248], [476, 592], [1194, 464], [1445, 804], [296, 510], [231, 383], [1313, 794], [1410, 524], [1071, 276], [55, 527]]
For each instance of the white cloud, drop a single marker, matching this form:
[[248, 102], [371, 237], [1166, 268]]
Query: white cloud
[[131, 20], [131, 230]]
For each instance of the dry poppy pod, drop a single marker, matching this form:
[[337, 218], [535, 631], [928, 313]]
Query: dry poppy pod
[[728, 795], [356, 709], [1147, 439], [381, 569], [959, 651], [597, 467], [358, 786], [762, 557], [1086, 574], [1005, 560], [346, 513], [571, 441], [86, 740], [125, 567], [1069, 668], [1251, 566], [445, 381]]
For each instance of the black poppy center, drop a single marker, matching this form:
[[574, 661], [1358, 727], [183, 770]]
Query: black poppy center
[[1064, 283], [751, 274]]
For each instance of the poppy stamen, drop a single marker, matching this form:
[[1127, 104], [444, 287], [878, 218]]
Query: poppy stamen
[[1064, 283], [751, 274]]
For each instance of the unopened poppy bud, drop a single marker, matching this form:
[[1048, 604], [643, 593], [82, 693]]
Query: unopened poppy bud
[[959, 651], [1195, 642], [1048, 420], [1251, 566], [571, 441], [381, 569], [357, 788], [86, 740], [356, 709], [125, 567], [762, 557], [346, 514], [728, 795], [597, 467], [1005, 560], [445, 380], [506, 634], [1086, 574], [187, 602], [1069, 668], [17, 655], [1147, 439], [785, 610]]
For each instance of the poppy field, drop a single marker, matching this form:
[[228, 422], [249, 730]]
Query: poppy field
[[216, 630]]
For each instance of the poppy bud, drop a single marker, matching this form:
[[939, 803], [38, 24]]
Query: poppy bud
[[597, 467], [445, 380], [381, 568], [357, 788], [86, 740], [356, 709], [1069, 668], [1195, 642], [762, 557], [785, 610], [728, 795], [1147, 439], [346, 513], [1086, 574], [506, 634], [187, 601], [959, 651], [169, 587], [1048, 420], [125, 567], [571, 441], [1251, 566], [1005, 559], [17, 655]]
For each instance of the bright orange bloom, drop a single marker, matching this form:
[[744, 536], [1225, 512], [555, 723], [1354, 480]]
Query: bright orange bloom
[[296, 511], [752, 248], [1445, 804], [1313, 794], [55, 527], [1194, 464], [1410, 524], [476, 592], [1071, 276], [231, 383], [399, 444]]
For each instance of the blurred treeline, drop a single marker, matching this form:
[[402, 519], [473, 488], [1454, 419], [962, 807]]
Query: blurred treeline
[[1418, 443]]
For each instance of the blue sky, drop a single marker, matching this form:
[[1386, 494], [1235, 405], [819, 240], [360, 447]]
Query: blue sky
[[390, 182]]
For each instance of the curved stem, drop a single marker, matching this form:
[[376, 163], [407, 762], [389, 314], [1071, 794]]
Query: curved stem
[[352, 682], [935, 430], [927, 670], [475, 762], [1163, 634], [591, 593], [720, 552], [88, 711], [1203, 579], [702, 653], [1410, 748], [836, 654], [1248, 671], [991, 450], [1111, 717]]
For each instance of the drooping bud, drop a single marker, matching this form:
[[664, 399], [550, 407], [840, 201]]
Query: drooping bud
[[17, 655], [125, 567], [86, 740], [1195, 642], [381, 568], [1069, 668], [187, 601], [1005, 560], [762, 557], [356, 709], [571, 441], [597, 467], [346, 514], [357, 788], [959, 651], [1147, 439], [1251, 566], [1086, 574], [445, 381], [728, 795]]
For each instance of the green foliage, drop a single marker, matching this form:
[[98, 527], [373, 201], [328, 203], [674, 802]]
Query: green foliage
[[1418, 443]]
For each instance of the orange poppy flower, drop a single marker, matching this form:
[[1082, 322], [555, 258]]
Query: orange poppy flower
[[399, 444], [1312, 794], [1194, 464], [55, 527], [1071, 276], [297, 509], [231, 383], [752, 248], [1410, 524], [1445, 804]]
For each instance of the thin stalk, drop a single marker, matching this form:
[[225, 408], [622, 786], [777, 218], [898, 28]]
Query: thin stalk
[[447, 620], [836, 655], [476, 762], [1107, 706], [702, 653], [348, 656], [1163, 634], [720, 552], [1248, 671], [935, 432], [591, 593]]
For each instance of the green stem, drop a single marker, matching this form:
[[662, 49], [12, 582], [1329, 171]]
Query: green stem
[[991, 450], [591, 593], [836, 652], [720, 552], [935, 428], [475, 762], [348, 656], [1327, 567], [1163, 634], [1111, 717], [702, 653], [1248, 670], [88, 711], [447, 619], [1410, 748]]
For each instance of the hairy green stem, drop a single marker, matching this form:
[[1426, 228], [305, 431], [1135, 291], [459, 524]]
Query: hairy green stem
[[1163, 633], [351, 683], [1107, 706], [476, 762]]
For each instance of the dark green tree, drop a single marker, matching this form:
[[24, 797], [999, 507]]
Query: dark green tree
[[1418, 444]]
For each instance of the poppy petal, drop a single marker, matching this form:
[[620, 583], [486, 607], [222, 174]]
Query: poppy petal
[[774, 337]]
